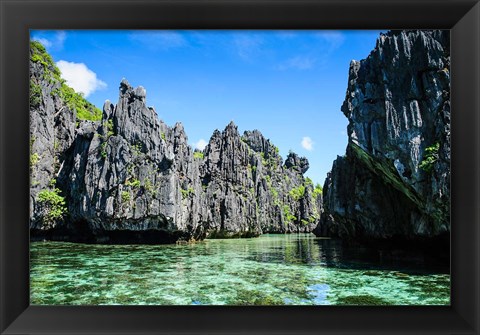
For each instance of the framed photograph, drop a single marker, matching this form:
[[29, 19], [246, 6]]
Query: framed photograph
[[231, 167]]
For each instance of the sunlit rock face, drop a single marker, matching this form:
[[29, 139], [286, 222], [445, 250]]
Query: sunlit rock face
[[130, 178], [394, 180]]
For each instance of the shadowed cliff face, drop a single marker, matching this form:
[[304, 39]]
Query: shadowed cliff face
[[394, 180], [130, 178]]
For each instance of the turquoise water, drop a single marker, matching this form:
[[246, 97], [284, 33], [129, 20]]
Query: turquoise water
[[297, 269]]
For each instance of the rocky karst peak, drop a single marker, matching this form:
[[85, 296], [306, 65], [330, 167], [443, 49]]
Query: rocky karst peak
[[394, 179], [294, 161], [129, 178]]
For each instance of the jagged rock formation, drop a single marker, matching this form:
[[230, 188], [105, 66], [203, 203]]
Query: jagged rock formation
[[252, 187], [129, 178], [394, 179]]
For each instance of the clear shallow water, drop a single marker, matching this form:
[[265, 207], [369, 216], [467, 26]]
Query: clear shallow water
[[271, 269]]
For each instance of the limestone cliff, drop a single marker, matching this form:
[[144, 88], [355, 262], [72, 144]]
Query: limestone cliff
[[126, 177], [52, 132], [394, 181]]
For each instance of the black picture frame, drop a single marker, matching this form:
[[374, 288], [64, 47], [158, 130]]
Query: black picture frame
[[18, 16]]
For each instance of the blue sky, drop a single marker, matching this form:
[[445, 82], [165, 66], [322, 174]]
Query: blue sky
[[290, 85]]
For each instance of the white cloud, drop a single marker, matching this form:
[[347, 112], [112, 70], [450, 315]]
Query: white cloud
[[307, 143], [201, 144], [298, 63], [159, 40], [80, 77], [50, 41]]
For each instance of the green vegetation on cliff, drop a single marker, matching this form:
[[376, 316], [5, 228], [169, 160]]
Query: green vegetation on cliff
[[198, 155], [318, 190], [186, 193], [297, 192], [54, 205], [431, 156], [51, 73], [35, 94], [39, 54], [85, 110]]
